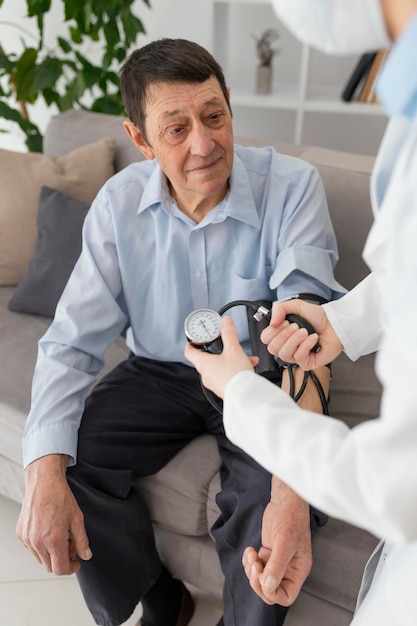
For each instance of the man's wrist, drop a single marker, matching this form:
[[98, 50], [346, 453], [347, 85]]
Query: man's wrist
[[280, 492], [46, 466]]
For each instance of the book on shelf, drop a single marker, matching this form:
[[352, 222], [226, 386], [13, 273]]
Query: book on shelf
[[359, 73], [367, 93]]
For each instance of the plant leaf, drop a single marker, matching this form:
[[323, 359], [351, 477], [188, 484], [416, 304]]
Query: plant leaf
[[75, 34], [36, 7], [111, 33], [24, 76], [64, 45], [108, 104], [73, 93], [47, 73], [132, 26], [11, 114], [32, 132], [6, 63], [51, 96], [34, 142]]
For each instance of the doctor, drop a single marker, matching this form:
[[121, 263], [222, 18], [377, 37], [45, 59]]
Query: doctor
[[368, 475]]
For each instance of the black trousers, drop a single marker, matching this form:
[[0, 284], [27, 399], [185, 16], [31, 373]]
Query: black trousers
[[135, 420]]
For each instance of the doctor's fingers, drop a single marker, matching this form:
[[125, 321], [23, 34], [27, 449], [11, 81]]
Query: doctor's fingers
[[291, 344]]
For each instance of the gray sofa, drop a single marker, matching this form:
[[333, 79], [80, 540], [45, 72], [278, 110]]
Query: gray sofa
[[182, 496]]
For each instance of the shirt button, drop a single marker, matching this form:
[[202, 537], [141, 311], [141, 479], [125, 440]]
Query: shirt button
[[198, 274]]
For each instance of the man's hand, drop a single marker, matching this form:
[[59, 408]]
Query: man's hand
[[277, 572], [51, 525], [217, 369], [293, 344]]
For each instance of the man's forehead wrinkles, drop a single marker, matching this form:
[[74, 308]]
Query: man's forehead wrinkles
[[173, 113], [183, 110]]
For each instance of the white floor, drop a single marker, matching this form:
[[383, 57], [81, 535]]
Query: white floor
[[29, 596]]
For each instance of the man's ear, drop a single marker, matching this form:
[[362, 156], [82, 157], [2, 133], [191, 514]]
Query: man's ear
[[137, 138]]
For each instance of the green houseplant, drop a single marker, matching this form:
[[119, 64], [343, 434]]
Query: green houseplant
[[60, 73]]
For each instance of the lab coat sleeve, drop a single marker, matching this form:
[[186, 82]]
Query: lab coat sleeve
[[340, 471], [355, 318]]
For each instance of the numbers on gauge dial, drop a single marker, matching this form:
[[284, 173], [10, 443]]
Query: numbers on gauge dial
[[203, 326]]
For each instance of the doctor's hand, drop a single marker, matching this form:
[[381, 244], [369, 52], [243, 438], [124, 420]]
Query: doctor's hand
[[278, 570], [293, 344], [51, 525], [217, 369]]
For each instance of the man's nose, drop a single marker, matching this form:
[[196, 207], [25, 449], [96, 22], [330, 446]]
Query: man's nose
[[202, 142]]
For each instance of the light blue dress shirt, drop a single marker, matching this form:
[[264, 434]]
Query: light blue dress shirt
[[146, 263]]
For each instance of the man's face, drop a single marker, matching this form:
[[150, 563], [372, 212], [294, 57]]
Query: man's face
[[189, 132]]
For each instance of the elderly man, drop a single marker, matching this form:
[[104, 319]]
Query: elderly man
[[201, 222]]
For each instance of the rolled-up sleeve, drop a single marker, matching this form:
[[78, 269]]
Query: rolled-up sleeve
[[310, 261]]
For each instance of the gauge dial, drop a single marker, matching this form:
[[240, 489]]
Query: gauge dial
[[202, 326]]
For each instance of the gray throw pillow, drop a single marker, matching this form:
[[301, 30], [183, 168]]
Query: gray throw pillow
[[60, 220]]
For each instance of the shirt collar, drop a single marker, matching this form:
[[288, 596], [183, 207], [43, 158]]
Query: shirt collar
[[156, 192], [241, 205], [397, 85], [238, 203]]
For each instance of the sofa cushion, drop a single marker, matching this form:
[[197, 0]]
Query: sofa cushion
[[177, 495], [340, 553], [355, 391], [79, 173], [74, 128], [60, 221], [191, 559], [351, 215], [19, 338]]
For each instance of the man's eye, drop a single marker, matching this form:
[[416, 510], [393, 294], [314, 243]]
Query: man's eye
[[215, 118], [175, 134]]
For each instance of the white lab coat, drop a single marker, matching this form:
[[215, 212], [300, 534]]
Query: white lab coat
[[367, 475]]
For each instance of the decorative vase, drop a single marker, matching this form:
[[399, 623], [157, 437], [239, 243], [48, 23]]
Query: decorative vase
[[263, 78]]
